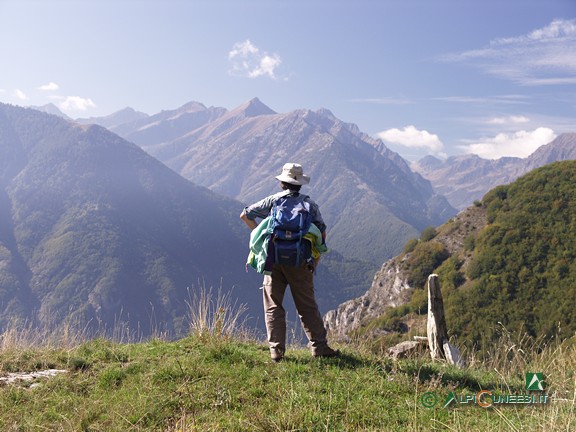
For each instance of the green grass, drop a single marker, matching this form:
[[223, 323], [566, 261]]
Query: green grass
[[209, 382], [221, 379]]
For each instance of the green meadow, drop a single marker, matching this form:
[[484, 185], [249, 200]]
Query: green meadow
[[220, 379]]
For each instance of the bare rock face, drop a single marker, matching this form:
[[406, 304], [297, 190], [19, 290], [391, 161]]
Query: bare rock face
[[389, 288]]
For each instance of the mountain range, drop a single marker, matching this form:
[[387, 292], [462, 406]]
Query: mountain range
[[96, 228], [461, 179], [371, 199], [93, 228], [465, 178]]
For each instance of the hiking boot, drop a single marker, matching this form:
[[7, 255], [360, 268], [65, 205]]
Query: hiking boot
[[326, 351], [276, 355]]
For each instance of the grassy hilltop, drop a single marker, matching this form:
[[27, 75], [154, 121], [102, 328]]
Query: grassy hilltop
[[216, 379]]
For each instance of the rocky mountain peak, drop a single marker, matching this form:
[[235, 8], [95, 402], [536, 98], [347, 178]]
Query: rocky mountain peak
[[428, 162], [51, 109], [191, 107], [561, 148], [253, 108], [326, 113]]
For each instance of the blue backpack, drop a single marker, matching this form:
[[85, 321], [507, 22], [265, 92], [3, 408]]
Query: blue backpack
[[291, 221]]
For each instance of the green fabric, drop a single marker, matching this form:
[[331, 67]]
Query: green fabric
[[315, 236], [259, 238]]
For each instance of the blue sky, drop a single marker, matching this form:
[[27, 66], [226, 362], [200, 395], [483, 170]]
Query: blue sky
[[444, 77]]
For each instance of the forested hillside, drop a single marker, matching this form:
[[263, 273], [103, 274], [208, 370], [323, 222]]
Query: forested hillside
[[508, 262], [92, 228], [523, 273]]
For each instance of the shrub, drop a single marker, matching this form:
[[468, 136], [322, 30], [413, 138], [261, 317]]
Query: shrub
[[428, 234], [470, 242], [425, 258], [410, 245]]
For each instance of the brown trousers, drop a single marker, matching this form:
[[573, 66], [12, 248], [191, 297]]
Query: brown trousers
[[301, 281]]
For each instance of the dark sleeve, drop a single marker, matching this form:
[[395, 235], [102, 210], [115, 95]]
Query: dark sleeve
[[316, 215], [260, 209]]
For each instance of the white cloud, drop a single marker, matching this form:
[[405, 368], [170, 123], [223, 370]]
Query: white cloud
[[267, 66], [543, 57], [508, 120], [558, 28], [517, 144], [76, 103], [49, 87], [413, 138], [247, 60], [20, 94]]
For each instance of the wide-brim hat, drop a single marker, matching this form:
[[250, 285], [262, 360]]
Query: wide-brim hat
[[294, 174]]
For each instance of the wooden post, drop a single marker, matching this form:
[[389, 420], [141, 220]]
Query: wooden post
[[437, 331]]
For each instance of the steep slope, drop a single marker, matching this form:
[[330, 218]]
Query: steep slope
[[508, 262], [125, 116], [370, 198], [523, 272], [402, 277], [466, 178], [92, 227]]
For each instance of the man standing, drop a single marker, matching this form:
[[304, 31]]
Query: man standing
[[300, 277]]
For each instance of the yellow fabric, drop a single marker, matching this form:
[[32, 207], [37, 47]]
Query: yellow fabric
[[314, 236]]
